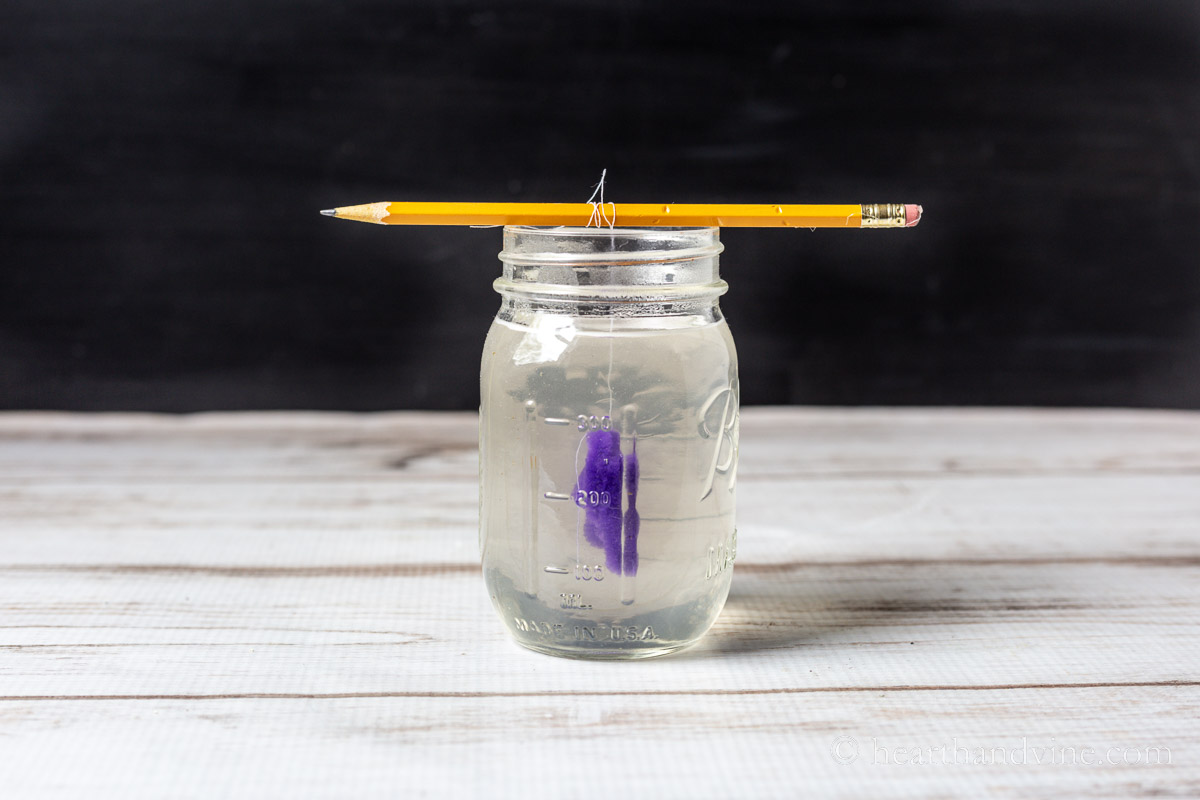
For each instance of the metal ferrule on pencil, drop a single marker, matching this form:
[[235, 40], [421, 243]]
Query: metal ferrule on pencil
[[883, 215]]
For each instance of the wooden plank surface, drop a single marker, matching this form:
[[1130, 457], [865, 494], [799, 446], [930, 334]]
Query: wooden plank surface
[[290, 605]]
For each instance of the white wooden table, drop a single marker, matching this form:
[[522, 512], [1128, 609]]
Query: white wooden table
[[284, 605]]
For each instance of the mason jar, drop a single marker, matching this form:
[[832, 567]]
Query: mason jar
[[608, 440]]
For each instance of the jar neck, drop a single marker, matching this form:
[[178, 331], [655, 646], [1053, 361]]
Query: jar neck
[[602, 271], [520, 309]]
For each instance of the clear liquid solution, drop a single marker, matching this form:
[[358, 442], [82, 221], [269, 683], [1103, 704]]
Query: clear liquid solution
[[608, 452]]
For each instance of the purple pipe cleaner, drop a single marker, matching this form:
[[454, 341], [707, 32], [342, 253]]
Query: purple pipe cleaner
[[599, 493]]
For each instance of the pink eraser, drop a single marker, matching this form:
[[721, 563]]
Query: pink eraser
[[912, 214]]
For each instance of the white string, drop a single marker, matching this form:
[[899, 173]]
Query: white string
[[599, 215], [598, 189], [611, 326]]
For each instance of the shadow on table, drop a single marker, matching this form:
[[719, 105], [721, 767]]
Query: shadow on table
[[777, 606]]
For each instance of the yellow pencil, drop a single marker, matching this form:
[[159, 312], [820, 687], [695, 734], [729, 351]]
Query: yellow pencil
[[636, 215]]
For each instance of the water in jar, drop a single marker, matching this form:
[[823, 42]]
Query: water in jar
[[608, 449]]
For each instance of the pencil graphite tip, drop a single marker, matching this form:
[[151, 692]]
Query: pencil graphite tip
[[912, 214], [329, 212]]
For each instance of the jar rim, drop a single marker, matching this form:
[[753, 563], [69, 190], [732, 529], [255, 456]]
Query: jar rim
[[532, 245], [578, 230]]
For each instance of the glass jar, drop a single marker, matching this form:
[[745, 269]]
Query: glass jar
[[608, 440]]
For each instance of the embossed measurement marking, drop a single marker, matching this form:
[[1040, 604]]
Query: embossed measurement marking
[[572, 600], [592, 500]]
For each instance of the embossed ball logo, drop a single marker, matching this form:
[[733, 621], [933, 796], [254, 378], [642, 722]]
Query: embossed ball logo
[[719, 421], [844, 749]]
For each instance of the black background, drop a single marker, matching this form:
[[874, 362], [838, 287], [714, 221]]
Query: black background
[[162, 165]]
